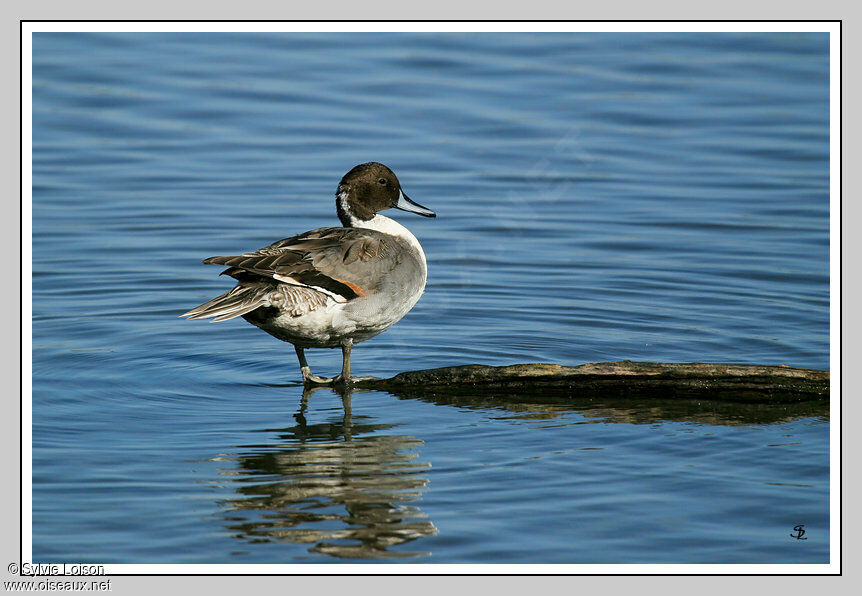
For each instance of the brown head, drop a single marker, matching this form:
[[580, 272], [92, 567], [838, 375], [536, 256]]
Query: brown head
[[368, 189]]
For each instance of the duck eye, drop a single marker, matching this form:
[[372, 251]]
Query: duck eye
[[382, 181]]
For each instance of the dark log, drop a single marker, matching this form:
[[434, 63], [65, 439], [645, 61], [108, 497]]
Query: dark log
[[624, 379]]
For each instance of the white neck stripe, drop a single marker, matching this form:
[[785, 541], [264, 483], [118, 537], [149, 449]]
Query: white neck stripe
[[382, 224], [389, 226]]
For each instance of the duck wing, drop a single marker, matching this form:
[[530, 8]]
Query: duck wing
[[335, 261]]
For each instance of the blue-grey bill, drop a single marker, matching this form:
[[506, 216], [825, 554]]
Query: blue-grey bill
[[406, 204]]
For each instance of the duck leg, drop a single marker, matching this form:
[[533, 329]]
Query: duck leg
[[345, 377], [307, 377]]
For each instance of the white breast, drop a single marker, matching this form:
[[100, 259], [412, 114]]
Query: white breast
[[389, 226]]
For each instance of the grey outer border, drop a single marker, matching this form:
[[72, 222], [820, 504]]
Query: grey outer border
[[441, 10]]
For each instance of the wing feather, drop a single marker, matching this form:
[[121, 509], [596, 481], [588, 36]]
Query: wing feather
[[337, 261]]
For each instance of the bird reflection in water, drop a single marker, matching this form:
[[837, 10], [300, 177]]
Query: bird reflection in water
[[342, 488]]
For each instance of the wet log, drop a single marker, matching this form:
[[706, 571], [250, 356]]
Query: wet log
[[733, 382]]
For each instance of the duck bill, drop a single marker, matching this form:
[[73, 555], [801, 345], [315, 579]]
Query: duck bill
[[406, 204]]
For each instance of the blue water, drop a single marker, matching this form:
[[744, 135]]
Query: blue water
[[659, 197]]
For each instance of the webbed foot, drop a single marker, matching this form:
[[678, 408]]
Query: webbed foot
[[311, 379], [342, 380]]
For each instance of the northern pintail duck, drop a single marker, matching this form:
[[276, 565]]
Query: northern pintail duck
[[331, 287]]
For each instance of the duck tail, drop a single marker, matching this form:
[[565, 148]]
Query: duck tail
[[236, 302]]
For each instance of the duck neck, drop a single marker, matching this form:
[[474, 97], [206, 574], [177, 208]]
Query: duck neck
[[379, 223]]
